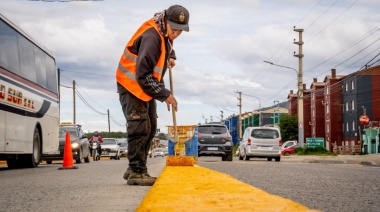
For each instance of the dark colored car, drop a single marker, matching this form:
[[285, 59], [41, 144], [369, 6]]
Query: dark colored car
[[214, 140], [79, 144]]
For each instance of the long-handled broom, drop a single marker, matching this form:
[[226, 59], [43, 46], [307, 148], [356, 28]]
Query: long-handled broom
[[179, 159]]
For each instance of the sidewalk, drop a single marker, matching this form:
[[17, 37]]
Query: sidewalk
[[369, 160]]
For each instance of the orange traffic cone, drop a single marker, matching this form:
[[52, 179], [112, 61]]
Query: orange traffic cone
[[68, 162]]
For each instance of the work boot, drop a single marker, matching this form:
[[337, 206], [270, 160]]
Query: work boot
[[140, 179], [129, 171]]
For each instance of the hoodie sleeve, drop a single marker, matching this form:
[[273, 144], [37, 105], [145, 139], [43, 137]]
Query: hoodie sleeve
[[148, 48]]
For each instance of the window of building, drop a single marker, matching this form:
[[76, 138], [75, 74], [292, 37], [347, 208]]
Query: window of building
[[346, 106], [346, 86], [352, 85], [353, 104], [353, 125], [327, 89], [327, 108], [327, 128], [347, 127]]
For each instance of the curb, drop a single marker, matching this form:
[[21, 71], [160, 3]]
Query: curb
[[194, 188]]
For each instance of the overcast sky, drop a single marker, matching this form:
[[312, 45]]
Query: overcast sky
[[223, 53]]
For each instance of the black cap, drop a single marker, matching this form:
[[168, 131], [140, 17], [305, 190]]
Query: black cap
[[178, 17]]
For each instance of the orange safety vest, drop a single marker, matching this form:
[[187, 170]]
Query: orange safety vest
[[126, 71]]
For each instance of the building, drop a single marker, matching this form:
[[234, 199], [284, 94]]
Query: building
[[317, 122], [361, 95], [333, 109]]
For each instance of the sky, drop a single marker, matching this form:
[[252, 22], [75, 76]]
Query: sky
[[221, 55]]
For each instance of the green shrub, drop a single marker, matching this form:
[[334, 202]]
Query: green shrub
[[313, 151]]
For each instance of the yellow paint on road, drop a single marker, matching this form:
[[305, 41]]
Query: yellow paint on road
[[194, 188]]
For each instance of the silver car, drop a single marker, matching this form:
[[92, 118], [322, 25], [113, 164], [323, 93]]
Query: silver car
[[110, 148], [261, 142]]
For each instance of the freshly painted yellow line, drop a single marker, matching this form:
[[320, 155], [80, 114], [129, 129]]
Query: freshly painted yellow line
[[194, 188]]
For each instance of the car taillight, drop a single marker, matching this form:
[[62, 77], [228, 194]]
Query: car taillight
[[280, 143], [228, 138], [249, 141]]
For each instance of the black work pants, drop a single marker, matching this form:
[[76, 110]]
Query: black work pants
[[141, 119]]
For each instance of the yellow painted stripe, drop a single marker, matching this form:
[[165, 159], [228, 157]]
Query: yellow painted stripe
[[186, 188]]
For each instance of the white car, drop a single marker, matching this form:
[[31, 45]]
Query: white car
[[261, 142], [110, 148], [158, 152]]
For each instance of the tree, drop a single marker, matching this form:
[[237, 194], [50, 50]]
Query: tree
[[289, 128], [161, 136]]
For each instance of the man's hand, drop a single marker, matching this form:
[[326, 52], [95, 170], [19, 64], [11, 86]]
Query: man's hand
[[171, 101], [171, 62]]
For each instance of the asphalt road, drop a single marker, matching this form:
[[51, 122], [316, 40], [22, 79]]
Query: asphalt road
[[99, 186], [325, 187], [96, 186]]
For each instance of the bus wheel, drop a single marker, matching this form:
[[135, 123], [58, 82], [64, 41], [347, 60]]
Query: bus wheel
[[32, 160], [27, 160]]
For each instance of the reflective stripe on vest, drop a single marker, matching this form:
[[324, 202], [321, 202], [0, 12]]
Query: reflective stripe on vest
[[126, 71]]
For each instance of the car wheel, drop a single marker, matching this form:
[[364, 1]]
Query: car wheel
[[240, 157], [80, 156], [246, 157], [87, 159], [269, 159], [49, 162], [286, 153], [229, 157], [277, 159], [224, 158]]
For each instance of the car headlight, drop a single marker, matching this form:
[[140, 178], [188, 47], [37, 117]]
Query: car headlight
[[74, 145]]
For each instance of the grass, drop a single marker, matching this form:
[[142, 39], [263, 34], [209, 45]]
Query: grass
[[319, 151]]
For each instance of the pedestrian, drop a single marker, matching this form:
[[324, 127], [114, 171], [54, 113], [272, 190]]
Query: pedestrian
[[139, 83]]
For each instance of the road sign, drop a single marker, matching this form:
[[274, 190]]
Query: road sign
[[314, 142]]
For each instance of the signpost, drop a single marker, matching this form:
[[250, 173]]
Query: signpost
[[315, 142]]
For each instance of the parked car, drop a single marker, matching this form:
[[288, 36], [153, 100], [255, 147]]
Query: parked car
[[287, 144], [261, 142], [123, 147], [79, 144], [288, 151], [110, 148], [237, 152], [214, 140]]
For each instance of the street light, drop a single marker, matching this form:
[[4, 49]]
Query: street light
[[260, 119], [300, 103]]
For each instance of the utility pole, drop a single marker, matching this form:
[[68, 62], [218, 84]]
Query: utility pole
[[109, 126], [221, 116], [239, 117], [74, 104], [300, 88]]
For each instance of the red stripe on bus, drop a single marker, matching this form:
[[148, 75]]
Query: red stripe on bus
[[28, 83]]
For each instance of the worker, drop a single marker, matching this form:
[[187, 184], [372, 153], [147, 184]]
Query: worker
[[139, 83]]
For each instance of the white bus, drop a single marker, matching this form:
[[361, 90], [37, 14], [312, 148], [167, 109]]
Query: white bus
[[29, 98]]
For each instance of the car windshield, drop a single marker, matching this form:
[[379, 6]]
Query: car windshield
[[212, 129], [109, 141], [62, 132], [264, 133]]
